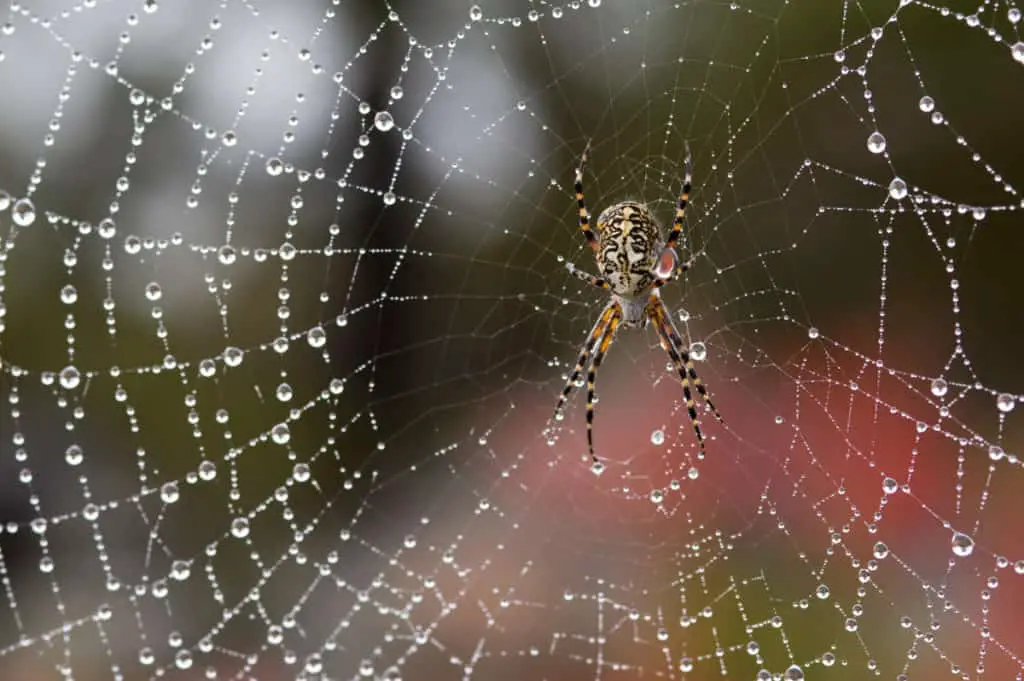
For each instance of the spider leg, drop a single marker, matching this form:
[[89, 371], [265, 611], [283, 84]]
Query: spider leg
[[606, 341], [664, 322], [581, 204], [595, 334], [684, 198], [587, 277], [679, 364]]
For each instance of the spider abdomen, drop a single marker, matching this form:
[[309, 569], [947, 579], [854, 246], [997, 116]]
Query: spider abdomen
[[628, 244]]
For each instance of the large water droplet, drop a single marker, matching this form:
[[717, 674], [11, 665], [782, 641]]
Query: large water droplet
[[962, 544], [698, 352], [475, 13], [383, 121], [898, 188], [1005, 402], [876, 142], [23, 213], [940, 387], [1018, 51]]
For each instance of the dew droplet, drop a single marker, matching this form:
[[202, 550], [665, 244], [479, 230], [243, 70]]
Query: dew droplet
[[926, 104], [794, 673], [397, 92], [70, 377], [169, 492], [963, 545], [898, 188], [940, 387], [698, 352], [23, 213], [890, 486], [383, 121], [876, 142], [274, 166], [813, 332], [73, 455], [657, 437], [475, 13], [240, 527], [1005, 402], [1018, 51]]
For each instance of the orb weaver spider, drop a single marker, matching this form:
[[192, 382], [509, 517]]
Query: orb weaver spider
[[634, 264]]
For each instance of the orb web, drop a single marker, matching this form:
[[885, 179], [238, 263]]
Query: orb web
[[284, 313]]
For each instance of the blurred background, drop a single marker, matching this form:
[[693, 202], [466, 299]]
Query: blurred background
[[284, 315]]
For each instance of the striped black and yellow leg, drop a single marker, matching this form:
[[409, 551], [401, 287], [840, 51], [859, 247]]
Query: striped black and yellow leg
[[606, 341], [684, 198], [595, 334], [677, 341], [663, 325], [584, 214], [587, 277]]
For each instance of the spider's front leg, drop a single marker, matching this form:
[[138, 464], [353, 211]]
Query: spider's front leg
[[587, 277]]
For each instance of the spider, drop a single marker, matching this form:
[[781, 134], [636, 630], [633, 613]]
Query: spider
[[634, 264]]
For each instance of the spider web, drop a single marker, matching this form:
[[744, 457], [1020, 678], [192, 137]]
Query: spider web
[[279, 358]]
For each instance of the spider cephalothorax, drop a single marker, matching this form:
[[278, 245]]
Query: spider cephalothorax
[[634, 263]]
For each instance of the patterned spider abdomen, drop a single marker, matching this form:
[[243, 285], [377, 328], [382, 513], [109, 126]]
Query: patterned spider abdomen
[[629, 243]]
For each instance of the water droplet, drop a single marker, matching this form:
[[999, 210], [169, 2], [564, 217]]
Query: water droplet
[[73, 455], [597, 468], [880, 550], [876, 142], [898, 188], [397, 92], [657, 496], [169, 492], [657, 437], [813, 332], [940, 387], [698, 352], [1013, 15], [926, 104], [240, 527], [822, 591], [890, 486], [153, 291], [383, 121], [794, 673], [284, 392], [70, 377], [753, 647], [995, 452], [207, 470], [475, 13], [274, 166], [280, 433], [23, 213], [963, 545], [5, 200], [107, 229], [1018, 51], [389, 198], [233, 356], [183, 659], [1005, 402], [226, 254]]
